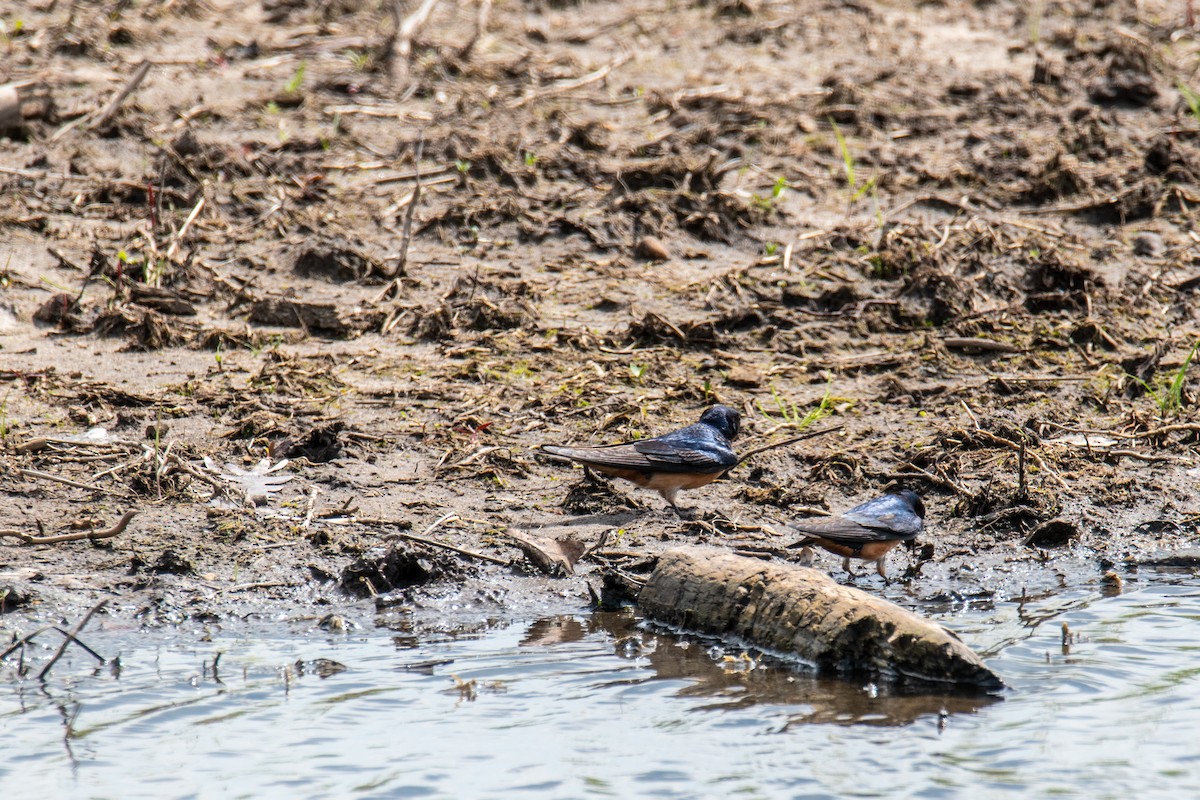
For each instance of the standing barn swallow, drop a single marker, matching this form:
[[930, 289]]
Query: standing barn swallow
[[868, 531], [688, 458]]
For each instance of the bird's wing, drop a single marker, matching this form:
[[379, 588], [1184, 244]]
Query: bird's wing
[[649, 455], [890, 512], [841, 529]]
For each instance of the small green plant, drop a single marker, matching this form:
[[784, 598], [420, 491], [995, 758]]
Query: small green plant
[[531, 159], [1034, 20], [462, 166], [638, 371], [7, 33], [1169, 398], [4, 418], [1173, 397], [358, 60], [856, 188], [1191, 98], [219, 355], [781, 183], [792, 415], [294, 85], [153, 271], [771, 248], [272, 107]]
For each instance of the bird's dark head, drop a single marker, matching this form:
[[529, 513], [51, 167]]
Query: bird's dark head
[[725, 419], [914, 501]]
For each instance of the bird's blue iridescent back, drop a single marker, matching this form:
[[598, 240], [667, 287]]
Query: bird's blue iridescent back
[[892, 512]]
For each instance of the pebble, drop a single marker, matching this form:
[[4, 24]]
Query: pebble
[[651, 248]]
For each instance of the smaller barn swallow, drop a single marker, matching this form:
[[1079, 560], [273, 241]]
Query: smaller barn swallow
[[868, 531], [688, 458]]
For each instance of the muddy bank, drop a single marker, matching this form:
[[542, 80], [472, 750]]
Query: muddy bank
[[962, 233]]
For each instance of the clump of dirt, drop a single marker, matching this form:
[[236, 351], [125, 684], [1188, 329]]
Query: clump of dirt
[[384, 570]]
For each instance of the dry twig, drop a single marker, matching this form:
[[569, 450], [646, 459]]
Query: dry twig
[[423, 539], [106, 533], [775, 445]]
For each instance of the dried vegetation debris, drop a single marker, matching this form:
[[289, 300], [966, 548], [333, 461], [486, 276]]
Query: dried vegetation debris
[[604, 237]]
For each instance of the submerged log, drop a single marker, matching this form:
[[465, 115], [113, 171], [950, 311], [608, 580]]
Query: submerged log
[[799, 612]]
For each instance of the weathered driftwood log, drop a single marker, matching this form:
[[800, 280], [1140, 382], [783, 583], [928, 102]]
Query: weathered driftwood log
[[795, 611]]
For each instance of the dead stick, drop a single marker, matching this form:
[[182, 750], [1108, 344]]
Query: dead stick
[[184, 228], [573, 83], [70, 638], [936, 480], [412, 537], [1022, 489], [106, 533], [24, 640], [1011, 445], [786, 442], [134, 82], [481, 21], [410, 26], [204, 476], [1183, 426], [46, 476], [406, 240], [432, 543]]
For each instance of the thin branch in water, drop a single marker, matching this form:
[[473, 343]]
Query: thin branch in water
[[71, 637]]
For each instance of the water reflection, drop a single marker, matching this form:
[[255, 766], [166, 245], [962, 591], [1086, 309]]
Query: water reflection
[[734, 679], [580, 705]]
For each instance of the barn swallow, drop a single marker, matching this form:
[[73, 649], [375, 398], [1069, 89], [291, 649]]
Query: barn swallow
[[688, 458], [868, 531]]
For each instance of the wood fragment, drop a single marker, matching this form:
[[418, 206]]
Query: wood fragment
[[46, 476], [555, 557], [10, 107], [801, 613], [105, 533], [572, 84], [980, 345]]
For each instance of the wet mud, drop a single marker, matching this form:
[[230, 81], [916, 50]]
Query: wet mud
[[310, 294]]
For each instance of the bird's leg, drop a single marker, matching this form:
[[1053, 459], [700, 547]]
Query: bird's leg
[[806, 557], [669, 495], [846, 565], [683, 512], [881, 568], [588, 475]]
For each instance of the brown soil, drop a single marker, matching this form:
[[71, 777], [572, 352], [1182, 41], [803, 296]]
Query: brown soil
[[626, 212]]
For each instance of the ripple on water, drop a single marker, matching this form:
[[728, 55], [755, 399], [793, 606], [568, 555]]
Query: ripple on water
[[590, 705]]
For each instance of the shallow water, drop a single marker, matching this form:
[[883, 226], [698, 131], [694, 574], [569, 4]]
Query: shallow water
[[593, 705]]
